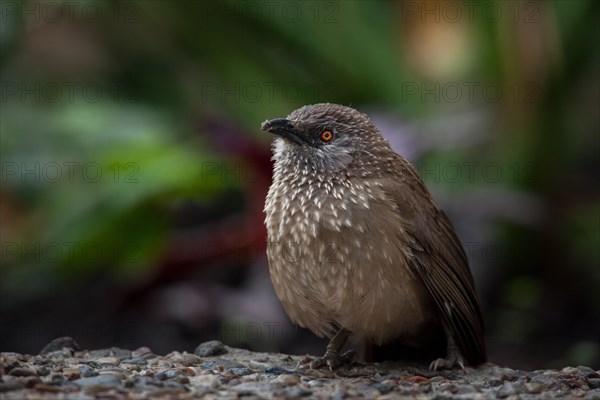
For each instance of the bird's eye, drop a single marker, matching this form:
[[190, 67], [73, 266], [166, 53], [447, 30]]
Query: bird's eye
[[326, 136]]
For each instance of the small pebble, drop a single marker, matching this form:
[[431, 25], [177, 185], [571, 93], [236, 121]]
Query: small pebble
[[169, 392], [464, 389], [188, 371], [94, 389], [314, 383], [71, 373], [426, 388], [161, 376], [383, 388], [184, 359], [132, 367], [288, 379], [546, 381], [22, 372], [494, 382], [240, 371], [210, 382], [61, 354], [260, 366], [417, 379], [506, 390], [173, 374], [146, 383], [100, 380], [49, 388], [109, 360], [89, 374], [276, 371], [211, 348], [221, 364], [594, 383], [141, 351], [110, 352], [59, 344], [10, 386], [141, 360], [117, 372], [297, 391], [31, 381], [534, 387], [584, 368]]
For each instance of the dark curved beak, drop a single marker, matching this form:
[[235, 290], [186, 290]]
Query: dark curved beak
[[284, 128]]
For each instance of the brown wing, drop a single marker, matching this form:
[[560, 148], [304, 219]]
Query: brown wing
[[440, 261]]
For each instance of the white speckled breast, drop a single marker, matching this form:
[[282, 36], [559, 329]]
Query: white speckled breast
[[337, 257]]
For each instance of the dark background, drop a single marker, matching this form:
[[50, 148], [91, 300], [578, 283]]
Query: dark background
[[134, 170]]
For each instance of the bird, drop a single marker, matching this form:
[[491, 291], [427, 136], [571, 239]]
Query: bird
[[356, 244]]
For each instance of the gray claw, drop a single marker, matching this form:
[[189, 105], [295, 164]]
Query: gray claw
[[451, 361], [333, 360]]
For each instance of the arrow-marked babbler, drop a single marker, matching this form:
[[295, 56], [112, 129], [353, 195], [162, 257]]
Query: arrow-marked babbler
[[357, 245]]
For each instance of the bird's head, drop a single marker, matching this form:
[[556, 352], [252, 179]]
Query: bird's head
[[325, 139]]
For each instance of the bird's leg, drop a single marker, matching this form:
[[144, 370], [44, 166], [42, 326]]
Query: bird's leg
[[453, 358], [331, 358]]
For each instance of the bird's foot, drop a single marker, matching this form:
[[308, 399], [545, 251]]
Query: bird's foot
[[333, 360], [453, 359]]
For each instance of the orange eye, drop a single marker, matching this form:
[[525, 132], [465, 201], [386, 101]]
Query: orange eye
[[326, 136]]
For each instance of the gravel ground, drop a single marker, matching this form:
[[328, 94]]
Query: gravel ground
[[215, 371]]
